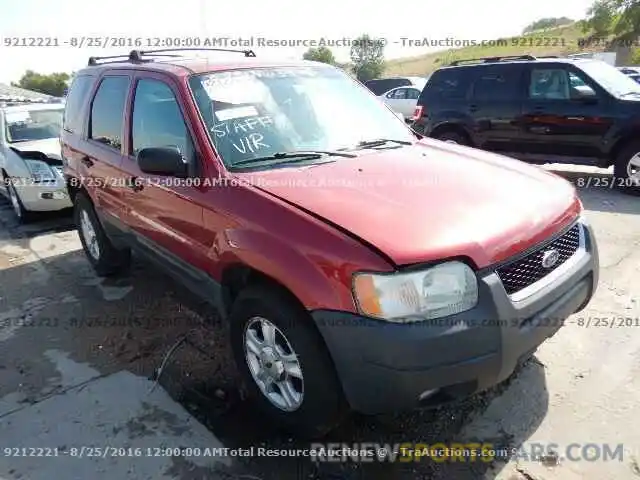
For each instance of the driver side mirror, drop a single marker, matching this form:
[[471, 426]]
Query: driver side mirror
[[166, 161]]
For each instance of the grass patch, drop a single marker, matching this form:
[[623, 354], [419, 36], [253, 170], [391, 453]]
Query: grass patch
[[557, 41]]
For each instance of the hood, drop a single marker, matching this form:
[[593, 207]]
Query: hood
[[49, 146], [431, 201]]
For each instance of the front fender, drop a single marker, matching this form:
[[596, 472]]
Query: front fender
[[14, 165], [314, 279]]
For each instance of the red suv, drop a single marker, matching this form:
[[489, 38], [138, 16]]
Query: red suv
[[360, 266]]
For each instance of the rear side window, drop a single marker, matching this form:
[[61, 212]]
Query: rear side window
[[413, 93], [72, 121], [107, 111], [398, 94], [448, 84], [497, 84]]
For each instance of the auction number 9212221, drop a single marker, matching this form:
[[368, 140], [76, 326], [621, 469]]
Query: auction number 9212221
[[109, 41], [105, 451]]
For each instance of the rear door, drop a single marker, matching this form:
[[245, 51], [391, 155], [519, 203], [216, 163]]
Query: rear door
[[396, 99], [495, 105], [96, 161]]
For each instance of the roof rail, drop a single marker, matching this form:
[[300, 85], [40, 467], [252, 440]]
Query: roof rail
[[140, 56], [493, 59], [131, 57], [246, 53]]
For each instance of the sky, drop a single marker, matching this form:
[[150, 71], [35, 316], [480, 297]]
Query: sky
[[89, 21]]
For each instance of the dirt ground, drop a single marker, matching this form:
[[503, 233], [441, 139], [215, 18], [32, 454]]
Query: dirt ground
[[581, 386]]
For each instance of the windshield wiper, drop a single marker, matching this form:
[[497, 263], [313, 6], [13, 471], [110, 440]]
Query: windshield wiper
[[296, 155], [378, 142]]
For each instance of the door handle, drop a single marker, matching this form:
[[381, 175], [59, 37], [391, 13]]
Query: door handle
[[87, 162], [135, 184]]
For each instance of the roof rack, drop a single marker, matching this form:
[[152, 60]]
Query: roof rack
[[492, 59], [138, 56], [131, 57]]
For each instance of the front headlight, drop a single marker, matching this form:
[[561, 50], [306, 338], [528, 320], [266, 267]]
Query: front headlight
[[40, 171], [442, 290]]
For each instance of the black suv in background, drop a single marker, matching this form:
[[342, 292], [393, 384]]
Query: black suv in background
[[540, 110]]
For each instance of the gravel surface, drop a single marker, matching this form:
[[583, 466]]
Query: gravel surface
[[580, 387]]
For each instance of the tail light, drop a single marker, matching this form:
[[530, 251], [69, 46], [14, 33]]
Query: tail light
[[417, 113]]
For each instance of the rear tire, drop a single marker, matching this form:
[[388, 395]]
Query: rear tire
[[452, 137], [316, 400], [105, 259], [626, 170]]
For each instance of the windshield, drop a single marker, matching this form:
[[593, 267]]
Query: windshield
[[257, 113], [610, 78], [27, 125]]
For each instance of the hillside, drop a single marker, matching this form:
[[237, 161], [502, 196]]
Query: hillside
[[557, 41]]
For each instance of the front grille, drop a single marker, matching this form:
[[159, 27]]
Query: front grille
[[525, 271]]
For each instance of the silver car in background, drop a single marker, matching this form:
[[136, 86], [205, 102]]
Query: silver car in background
[[30, 161]]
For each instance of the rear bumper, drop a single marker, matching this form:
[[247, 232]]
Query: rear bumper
[[388, 367]]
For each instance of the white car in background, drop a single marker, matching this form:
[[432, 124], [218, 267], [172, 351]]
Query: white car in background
[[30, 161], [402, 100]]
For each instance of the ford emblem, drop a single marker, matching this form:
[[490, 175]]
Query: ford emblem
[[550, 258]]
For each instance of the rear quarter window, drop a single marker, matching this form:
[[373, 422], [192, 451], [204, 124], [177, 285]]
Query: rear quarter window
[[76, 100], [450, 84]]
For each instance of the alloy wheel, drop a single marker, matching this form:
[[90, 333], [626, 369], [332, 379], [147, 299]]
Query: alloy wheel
[[273, 364], [633, 169], [89, 234], [15, 201]]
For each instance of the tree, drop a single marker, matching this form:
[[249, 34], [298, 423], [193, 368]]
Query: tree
[[367, 57], [620, 18], [321, 54], [600, 18], [53, 84], [545, 23]]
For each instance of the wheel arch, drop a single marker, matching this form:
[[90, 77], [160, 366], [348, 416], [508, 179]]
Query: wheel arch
[[622, 143], [239, 276], [452, 127]]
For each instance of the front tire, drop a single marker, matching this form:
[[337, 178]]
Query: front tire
[[284, 363], [626, 170], [22, 214], [105, 259]]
